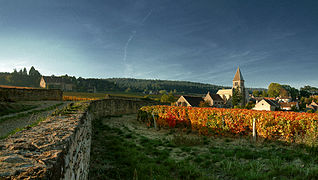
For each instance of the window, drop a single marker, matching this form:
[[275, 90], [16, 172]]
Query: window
[[236, 83]]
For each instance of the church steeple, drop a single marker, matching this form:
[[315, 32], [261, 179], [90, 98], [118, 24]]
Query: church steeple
[[238, 75], [238, 83]]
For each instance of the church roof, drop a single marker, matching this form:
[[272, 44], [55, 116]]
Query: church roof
[[238, 75]]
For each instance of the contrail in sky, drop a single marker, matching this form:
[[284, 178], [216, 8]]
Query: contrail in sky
[[132, 35], [146, 17]]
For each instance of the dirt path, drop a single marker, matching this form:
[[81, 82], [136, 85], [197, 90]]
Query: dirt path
[[25, 118]]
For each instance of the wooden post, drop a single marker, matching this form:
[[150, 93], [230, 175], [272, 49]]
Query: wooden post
[[254, 130], [154, 121]]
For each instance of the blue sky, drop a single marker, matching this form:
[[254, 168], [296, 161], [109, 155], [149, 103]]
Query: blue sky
[[201, 41]]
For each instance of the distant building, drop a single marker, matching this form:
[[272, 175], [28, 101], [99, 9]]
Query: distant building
[[267, 105], [238, 83], [189, 101], [214, 100], [53, 82], [284, 99], [288, 106], [223, 98], [313, 106]]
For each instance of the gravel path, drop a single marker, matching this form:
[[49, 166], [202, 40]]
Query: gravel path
[[10, 125]]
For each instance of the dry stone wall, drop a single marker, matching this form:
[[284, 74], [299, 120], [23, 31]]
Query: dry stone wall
[[59, 147], [20, 94]]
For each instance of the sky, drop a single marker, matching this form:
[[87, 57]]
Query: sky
[[200, 41]]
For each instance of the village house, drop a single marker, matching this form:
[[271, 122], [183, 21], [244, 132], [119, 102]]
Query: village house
[[313, 106], [267, 105], [214, 100], [238, 83], [288, 106], [284, 99], [53, 82], [189, 101], [223, 98]]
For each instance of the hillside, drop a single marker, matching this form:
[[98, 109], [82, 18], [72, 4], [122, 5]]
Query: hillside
[[147, 86]]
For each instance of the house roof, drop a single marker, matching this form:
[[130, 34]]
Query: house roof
[[288, 104], [238, 75], [272, 102], [313, 103], [194, 101], [54, 79], [215, 97]]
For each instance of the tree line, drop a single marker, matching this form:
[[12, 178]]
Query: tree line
[[32, 78]]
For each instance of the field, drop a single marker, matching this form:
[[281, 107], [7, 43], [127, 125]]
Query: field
[[94, 96], [124, 148], [9, 108], [18, 115]]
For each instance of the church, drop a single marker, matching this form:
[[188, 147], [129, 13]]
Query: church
[[223, 98], [238, 83]]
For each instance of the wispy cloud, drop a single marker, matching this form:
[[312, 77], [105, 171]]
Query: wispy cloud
[[146, 17], [131, 37]]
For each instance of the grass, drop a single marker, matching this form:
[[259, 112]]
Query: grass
[[9, 108], [112, 93], [125, 154], [31, 112], [69, 109]]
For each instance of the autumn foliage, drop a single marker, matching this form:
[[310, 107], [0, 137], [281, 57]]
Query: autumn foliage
[[74, 98], [207, 121]]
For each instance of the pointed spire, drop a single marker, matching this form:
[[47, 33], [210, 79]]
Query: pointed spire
[[238, 75]]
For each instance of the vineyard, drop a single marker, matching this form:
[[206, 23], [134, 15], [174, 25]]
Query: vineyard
[[273, 125], [75, 98]]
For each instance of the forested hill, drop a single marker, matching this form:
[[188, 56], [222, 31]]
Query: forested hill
[[32, 78], [148, 86]]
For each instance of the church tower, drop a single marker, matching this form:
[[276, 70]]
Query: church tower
[[238, 82]]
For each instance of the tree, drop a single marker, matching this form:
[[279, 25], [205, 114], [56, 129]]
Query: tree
[[274, 90], [249, 105], [264, 93], [164, 98], [256, 93], [311, 90], [283, 93], [171, 97], [237, 97], [163, 92], [25, 72], [33, 72], [167, 98]]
